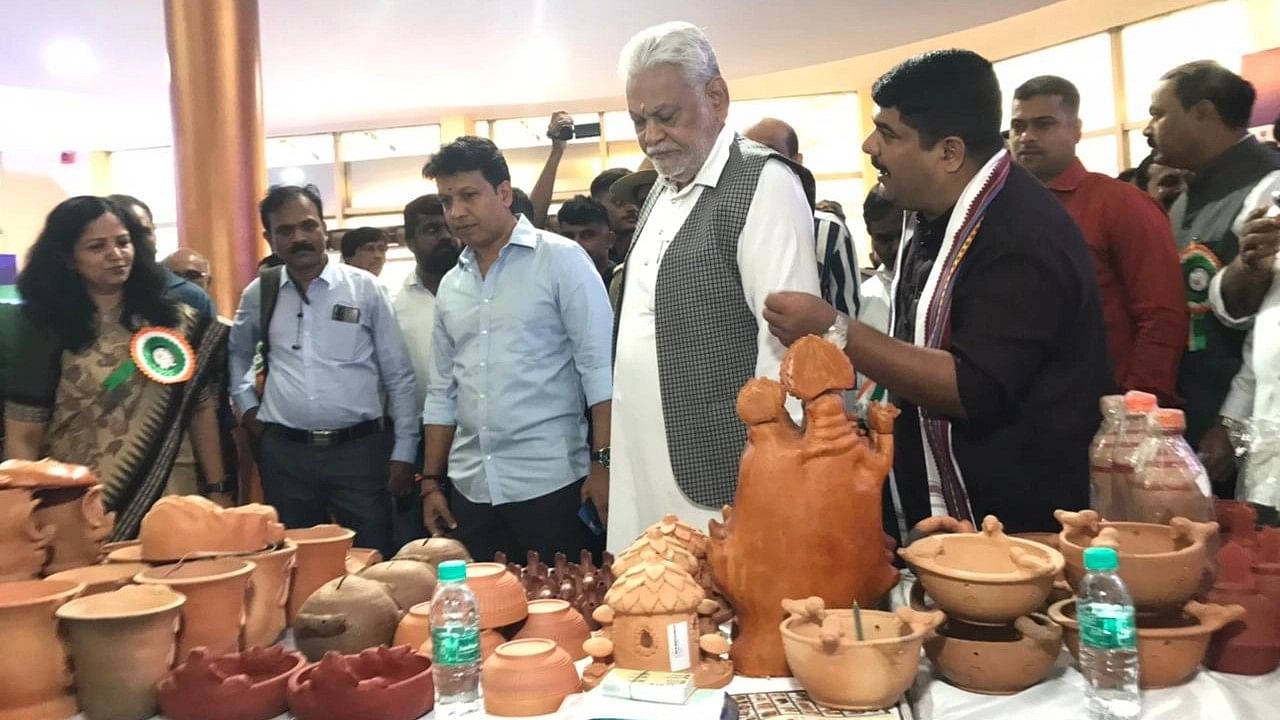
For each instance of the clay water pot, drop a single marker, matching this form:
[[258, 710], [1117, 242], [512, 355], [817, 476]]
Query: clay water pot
[[414, 629], [35, 683], [528, 677], [23, 543], [985, 577], [80, 526], [251, 685], [382, 683], [346, 615], [122, 642], [361, 558], [409, 582], [216, 591], [993, 660], [1170, 645], [1162, 565], [265, 619], [489, 641], [434, 551], [1252, 645], [557, 620], [322, 556], [101, 578], [500, 597], [841, 672]]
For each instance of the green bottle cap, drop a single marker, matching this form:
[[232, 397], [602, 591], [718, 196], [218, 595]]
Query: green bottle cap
[[1100, 558], [453, 571]]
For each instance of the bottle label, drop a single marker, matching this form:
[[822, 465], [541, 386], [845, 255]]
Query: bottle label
[[1107, 626], [455, 646]]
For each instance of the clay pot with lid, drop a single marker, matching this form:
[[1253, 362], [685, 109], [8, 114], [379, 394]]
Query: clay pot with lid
[[986, 577], [101, 578], [322, 556], [250, 685], [409, 582], [23, 543], [1250, 646], [1171, 645], [528, 677], [500, 598], [433, 551], [1161, 565], [556, 620], [216, 591], [384, 683], [35, 683], [265, 618], [122, 642], [80, 526], [994, 660], [346, 615], [842, 672]]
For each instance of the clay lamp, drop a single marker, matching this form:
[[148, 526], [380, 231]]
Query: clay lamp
[[361, 558], [1251, 646], [250, 685], [996, 660], [987, 577], [1266, 564], [434, 551], [500, 598], [1171, 646], [840, 671], [382, 683], [1162, 565]]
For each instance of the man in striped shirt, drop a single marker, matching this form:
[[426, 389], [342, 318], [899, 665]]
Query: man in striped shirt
[[837, 258]]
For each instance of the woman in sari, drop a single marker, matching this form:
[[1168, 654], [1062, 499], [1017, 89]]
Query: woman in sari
[[110, 373]]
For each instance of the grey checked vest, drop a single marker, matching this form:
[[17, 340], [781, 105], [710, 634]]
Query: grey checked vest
[[706, 332]]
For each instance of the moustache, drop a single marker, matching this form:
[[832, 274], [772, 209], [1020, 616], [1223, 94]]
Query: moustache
[[301, 247], [875, 163]]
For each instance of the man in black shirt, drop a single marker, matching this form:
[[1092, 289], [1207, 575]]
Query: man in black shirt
[[998, 355]]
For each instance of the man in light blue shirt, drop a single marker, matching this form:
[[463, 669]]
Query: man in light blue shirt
[[330, 348], [521, 346]]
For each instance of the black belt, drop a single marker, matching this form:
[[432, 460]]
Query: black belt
[[328, 438]]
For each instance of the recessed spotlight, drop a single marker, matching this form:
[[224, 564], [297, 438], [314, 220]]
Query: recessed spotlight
[[70, 58]]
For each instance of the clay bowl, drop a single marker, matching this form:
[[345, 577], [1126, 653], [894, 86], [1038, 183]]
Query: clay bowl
[[388, 684], [1171, 646], [101, 578], [500, 596], [994, 660], [557, 620], [415, 627], [841, 672], [250, 685], [489, 641], [528, 677], [985, 577], [1161, 565], [361, 558]]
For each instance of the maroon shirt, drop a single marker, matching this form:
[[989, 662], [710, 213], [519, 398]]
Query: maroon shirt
[[1144, 300]]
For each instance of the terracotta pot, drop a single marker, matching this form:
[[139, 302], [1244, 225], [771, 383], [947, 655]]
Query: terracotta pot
[[388, 684], [46, 473], [251, 685], [414, 629], [1237, 523], [1266, 564], [995, 660], [410, 582], [35, 683], [216, 591], [984, 577], [556, 620], [1170, 645], [500, 597], [322, 556], [80, 526], [489, 641], [346, 615], [841, 672], [187, 526], [265, 619], [122, 643], [1161, 565], [23, 543], [528, 677], [1252, 645], [101, 578], [361, 558], [113, 546], [434, 551]]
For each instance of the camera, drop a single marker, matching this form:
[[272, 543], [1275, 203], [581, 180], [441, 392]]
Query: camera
[[585, 130]]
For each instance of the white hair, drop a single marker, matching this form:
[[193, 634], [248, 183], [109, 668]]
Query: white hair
[[673, 43]]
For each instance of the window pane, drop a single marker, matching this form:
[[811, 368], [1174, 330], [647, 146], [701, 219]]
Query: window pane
[[1099, 154], [1216, 31], [148, 175], [387, 182], [1085, 62], [828, 127], [618, 126], [389, 143], [299, 150], [482, 128]]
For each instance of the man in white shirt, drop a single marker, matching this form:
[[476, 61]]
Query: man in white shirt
[[435, 251], [727, 223]]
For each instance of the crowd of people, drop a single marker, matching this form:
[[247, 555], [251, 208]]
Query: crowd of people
[[557, 382]]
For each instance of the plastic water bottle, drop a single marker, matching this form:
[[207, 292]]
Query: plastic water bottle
[[455, 643], [1108, 640]]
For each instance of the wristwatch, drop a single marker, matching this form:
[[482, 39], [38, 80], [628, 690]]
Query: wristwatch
[[838, 333], [601, 456]]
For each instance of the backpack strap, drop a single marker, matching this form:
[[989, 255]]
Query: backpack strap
[[268, 293]]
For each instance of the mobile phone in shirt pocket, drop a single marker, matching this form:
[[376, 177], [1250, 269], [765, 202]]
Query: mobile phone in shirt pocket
[[344, 340]]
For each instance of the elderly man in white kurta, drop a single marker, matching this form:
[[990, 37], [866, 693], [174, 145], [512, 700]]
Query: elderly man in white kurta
[[729, 222]]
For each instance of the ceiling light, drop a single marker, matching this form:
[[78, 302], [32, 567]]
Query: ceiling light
[[70, 58], [293, 176]]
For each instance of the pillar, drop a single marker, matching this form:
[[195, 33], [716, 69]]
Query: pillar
[[216, 99]]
